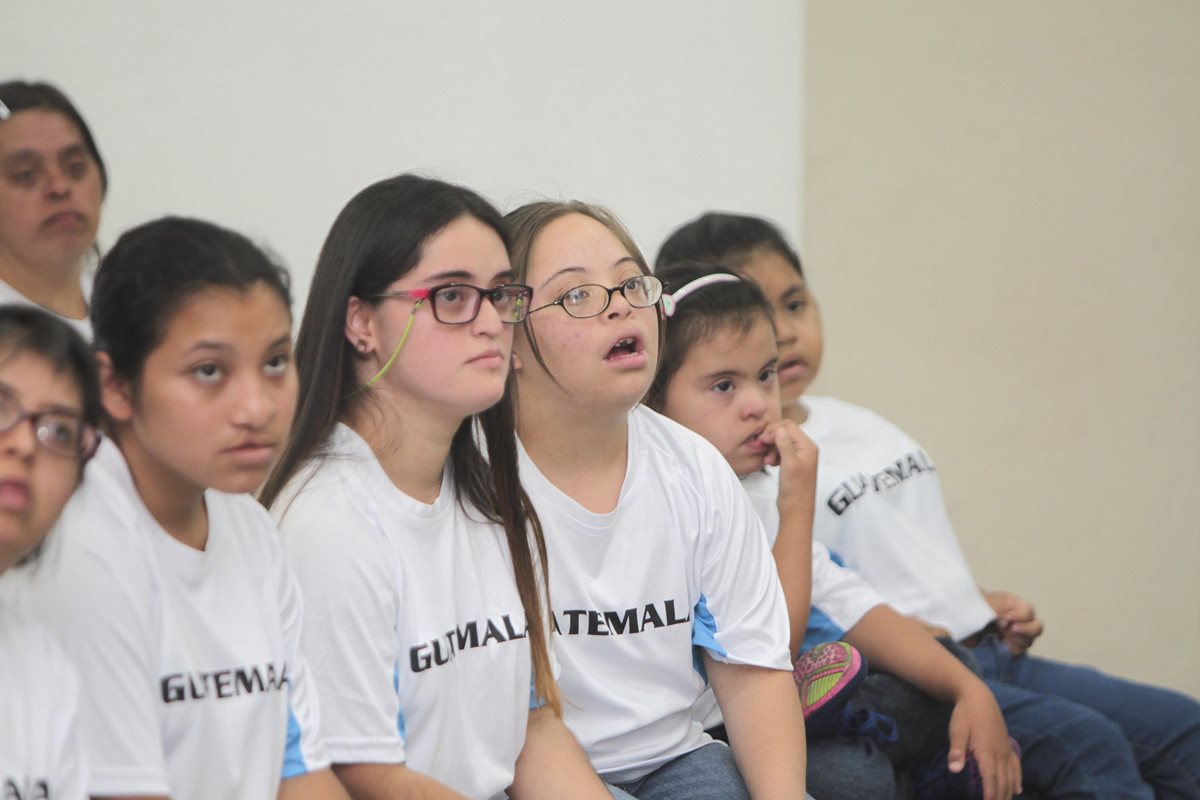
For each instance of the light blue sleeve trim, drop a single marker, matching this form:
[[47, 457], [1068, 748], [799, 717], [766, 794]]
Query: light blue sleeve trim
[[400, 726], [535, 702], [293, 757], [704, 628], [821, 629]]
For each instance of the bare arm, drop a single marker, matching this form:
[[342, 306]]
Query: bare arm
[[391, 782], [797, 458], [765, 725], [903, 647], [317, 785], [552, 765]]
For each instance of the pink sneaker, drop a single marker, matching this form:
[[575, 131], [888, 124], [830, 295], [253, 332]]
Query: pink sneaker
[[827, 676]]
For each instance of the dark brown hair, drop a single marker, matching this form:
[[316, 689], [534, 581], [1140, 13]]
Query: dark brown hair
[[378, 237]]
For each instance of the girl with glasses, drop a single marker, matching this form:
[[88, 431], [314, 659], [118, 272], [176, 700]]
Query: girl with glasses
[[167, 584], [421, 559], [653, 546], [49, 406], [52, 184]]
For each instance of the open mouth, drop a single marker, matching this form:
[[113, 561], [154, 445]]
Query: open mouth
[[14, 495], [625, 347]]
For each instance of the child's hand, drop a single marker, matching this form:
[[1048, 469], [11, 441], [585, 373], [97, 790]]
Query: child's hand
[[977, 727], [1017, 619], [796, 456]]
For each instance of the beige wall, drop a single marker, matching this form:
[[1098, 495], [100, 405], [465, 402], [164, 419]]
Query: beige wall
[[1002, 220]]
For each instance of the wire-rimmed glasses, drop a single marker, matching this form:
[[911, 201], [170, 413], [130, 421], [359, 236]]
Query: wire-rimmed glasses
[[591, 299]]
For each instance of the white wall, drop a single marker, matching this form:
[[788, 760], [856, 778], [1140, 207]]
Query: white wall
[[269, 117]]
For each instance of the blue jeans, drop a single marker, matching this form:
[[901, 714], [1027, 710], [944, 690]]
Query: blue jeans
[[845, 768], [707, 773], [1086, 734]]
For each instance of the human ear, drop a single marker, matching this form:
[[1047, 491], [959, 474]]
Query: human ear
[[116, 392], [359, 331], [516, 362]]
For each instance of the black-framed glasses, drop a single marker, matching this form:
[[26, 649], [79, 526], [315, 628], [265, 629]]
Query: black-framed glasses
[[459, 303], [590, 299], [63, 433]]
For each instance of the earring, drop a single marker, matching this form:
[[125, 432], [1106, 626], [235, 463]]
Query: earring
[[361, 344]]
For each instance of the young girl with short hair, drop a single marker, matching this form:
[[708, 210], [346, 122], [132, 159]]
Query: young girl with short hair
[[1082, 733], [52, 184], [166, 582], [49, 409], [653, 546], [719, 379], [421, 559]]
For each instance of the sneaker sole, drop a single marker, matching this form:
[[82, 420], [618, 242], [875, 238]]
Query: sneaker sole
[[824, 672]]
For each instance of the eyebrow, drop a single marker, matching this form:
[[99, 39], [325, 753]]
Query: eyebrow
[[29, 154], [61, 409], [57, 408], [723, 373], [464, 274], [225, 347], [565, 270]]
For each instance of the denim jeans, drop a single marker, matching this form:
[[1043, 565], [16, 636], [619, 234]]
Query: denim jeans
[[1087, 734], [707, 773]]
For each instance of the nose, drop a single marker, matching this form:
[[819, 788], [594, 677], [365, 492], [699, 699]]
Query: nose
[[255, 403], [487, 321], [618, 306], [786, 332], [58, 183], [756, 404]]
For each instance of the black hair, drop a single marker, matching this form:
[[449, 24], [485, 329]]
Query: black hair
[[156, 267], [726, 239], [29, 330], [734, 305], [25, 96], [377, 238]]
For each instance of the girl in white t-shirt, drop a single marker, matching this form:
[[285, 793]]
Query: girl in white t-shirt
[[52, 183], [719, 378], [420, 557], [49, 407], [653, 546], [165, 581]]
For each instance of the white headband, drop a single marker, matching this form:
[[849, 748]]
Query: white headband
[[4, 112], [671, 301]]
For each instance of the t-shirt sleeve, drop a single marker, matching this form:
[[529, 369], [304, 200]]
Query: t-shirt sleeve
[[839, 593], [94, 598], [347, 571], [67, 755], [741, 617], [305, 749]]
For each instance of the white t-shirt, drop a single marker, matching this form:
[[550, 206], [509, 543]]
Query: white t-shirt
[[40, 750], [840, 598], [9, 295], [682, 560], [880, 509], [413, 625], [192, 682]]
